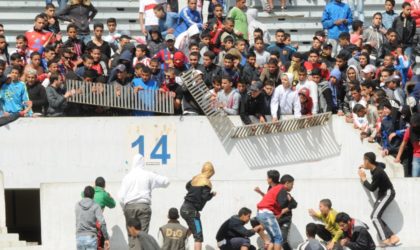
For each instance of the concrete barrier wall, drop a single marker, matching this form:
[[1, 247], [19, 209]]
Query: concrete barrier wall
[[58, 201], [35, 151]]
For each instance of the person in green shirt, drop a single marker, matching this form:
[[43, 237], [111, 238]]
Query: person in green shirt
[[102, 198], [330, 231], [238, 14]]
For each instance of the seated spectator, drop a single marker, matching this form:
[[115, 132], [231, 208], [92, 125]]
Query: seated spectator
[[173, 234], [13, 95], [167, 20], [37, 37], [330, 230], [306, 102], [389, 15], [80, 13], [140, 239], [189, 16], [98, 42], [252, 105], [57, 96], [356, 234], [228, 99], [36, 93], [285, 100], [272, 72], [233, 235], [311, 243]]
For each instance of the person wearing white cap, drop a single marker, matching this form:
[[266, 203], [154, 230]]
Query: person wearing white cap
[[286, 99]]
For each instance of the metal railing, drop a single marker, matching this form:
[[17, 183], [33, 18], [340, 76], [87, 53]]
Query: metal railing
[[118, 96], [225, 128], [281, 126]]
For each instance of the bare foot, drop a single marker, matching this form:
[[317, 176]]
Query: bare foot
[[394, 239]]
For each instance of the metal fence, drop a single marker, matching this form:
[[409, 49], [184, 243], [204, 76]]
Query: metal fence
[[281, 126], [118, 96]]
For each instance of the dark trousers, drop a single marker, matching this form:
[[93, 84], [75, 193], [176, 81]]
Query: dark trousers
[[285, 229], [138, 211], [8, 119], [379, 207], [192, 218], [323, 233]]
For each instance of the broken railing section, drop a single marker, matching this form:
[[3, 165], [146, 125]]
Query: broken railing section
[[118, 96], [224, 126]]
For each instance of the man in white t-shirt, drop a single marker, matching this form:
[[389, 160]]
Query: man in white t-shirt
[[304, 82], [147, 18]]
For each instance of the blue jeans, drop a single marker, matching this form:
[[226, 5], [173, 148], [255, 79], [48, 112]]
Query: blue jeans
[[85, 38], [416, 167], [61, 3], [268, 220], [86, 242], [358, 8]]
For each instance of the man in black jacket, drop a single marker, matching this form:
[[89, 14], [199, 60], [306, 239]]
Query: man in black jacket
[[386, 194], [233, 235], [405, 26], [209, 69], [356, 235], [252, 104]]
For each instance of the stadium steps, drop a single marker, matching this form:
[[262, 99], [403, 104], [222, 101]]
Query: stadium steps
[[301, 19]]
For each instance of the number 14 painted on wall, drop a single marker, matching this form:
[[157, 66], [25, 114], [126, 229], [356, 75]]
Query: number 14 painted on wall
[[162, 144]]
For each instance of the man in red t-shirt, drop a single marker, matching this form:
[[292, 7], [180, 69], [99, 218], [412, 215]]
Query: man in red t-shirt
[[37, 37]]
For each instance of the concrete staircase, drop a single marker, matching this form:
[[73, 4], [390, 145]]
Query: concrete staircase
[[10, 241], [301, 19]]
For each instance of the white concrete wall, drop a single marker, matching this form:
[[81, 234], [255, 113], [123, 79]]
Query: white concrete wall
[[58, 201], [35, 151]]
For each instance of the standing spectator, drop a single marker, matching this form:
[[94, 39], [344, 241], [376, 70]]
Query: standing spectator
[[284, 51], [406, 28], [53, 24], [174, 235], [167, 21], [330, 231], [189, 16], [287, 203], [98, 42], [166, 55], [228, 98], [135, 193], [80, 13], [113, 34], [238, 15], [386, 194], [36, 92], [312, 87], [4, 53], [57, 97], [374, 35], [209, 69], [61, 3], [199, 192], [389, 15], [285, 100], [306, 102], [74, 42], [233, 234], [14, 96], [252, 104], [311, 243], [102, 198], [273, 179], [87, 214], [147, 18], [37, 37], [336, 18], [415, 11], [357, 8], [356, 234], [139, 239], [412, 135]]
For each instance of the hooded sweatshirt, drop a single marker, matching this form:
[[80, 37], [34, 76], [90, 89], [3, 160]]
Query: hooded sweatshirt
[[199, 188], [137, 185], [87, 213]]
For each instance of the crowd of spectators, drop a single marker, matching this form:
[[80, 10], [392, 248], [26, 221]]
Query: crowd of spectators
[[361, 71]]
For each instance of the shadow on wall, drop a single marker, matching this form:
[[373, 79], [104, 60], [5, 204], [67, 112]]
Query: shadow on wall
[[117, 240], [287, 148]]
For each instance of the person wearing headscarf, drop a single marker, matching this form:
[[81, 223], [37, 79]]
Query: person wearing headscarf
[[199, 193], [306, 102], [285, 100]]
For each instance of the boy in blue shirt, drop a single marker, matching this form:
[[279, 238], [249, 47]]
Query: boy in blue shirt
[[145, 87], [14, 96]]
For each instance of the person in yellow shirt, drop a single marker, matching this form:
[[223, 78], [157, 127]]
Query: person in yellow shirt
[[329, 231]]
